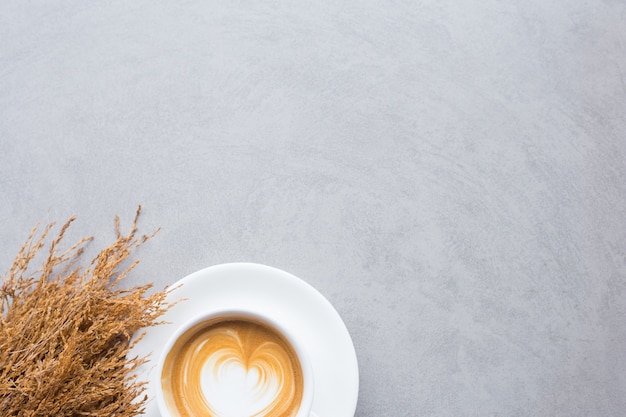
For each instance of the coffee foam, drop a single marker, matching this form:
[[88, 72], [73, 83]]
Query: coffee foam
[[232, 368]]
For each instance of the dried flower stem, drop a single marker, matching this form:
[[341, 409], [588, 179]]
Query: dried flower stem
[[65, 332]]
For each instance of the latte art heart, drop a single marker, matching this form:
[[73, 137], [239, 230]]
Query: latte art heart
[[233, 368], [234, 388]]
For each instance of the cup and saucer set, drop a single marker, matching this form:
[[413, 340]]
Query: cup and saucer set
[[329, 377]]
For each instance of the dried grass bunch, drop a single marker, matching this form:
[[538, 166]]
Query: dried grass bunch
[[65, 331]]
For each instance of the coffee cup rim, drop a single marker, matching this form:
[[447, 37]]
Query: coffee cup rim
[[303, 357]]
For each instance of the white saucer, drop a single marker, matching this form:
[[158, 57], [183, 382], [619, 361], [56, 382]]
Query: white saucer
[[288, 299]]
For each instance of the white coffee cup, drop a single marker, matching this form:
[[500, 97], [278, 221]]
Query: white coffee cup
[[234, 363]]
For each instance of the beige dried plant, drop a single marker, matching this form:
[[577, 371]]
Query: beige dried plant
[[65, 330]]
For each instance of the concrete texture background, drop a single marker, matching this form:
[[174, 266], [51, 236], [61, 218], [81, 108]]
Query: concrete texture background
[[450, 175]]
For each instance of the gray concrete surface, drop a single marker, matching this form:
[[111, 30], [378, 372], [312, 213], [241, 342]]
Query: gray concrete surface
[[450, 175]]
